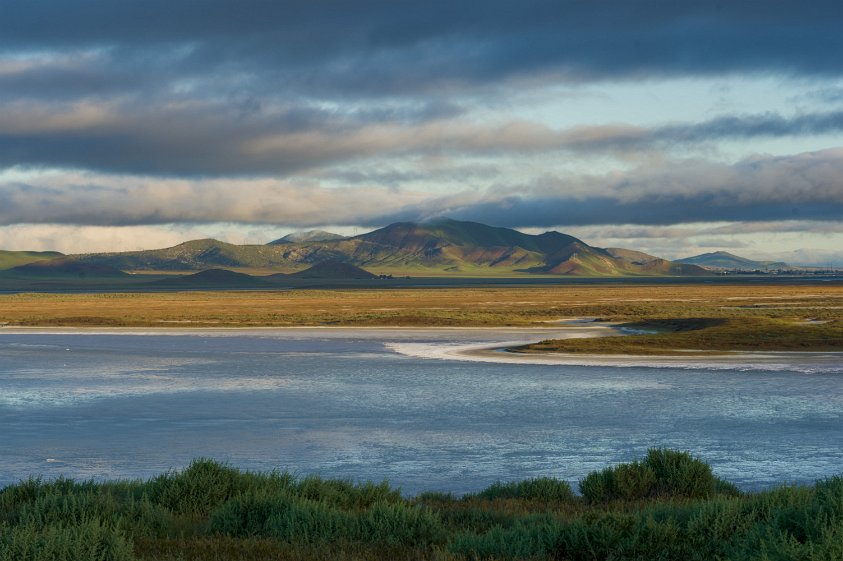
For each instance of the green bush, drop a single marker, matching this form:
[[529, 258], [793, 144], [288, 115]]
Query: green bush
[[90, 541], [311, 522], [666, 506], [198, 489], [247, 515], [531, 537], [299, 520], [546, 489], [633, 481], [599, 486], [401, 524], [678, 474], [345, 494], [662, 473]]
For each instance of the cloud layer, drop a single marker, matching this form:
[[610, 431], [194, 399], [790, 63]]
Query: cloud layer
[[134, 113], [801, 187], [374, 47]]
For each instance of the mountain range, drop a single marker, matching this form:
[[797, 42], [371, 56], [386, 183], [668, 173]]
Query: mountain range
[[437, 247], [725, 261]]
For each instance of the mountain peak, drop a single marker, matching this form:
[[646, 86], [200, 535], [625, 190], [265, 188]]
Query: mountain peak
[[439, 246], [723, 260], [307, 236]]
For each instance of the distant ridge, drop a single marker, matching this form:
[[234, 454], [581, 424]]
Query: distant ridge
[[723, 260], [657, 264], [308, 236], [435, 248], [333, 269]]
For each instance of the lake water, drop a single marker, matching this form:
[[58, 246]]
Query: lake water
[[347, 403]]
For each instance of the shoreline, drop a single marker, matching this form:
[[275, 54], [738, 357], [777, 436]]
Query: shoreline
[[493, 347], [489, 349]]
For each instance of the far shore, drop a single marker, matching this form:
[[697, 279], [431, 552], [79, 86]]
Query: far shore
[[549, 324]]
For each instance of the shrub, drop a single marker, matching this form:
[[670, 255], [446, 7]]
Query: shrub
[[311, 522], [546, 489], [532, 537], [598, 486], [680, 474], [401, 524], [91, 541], [662, 472], [247, 515], [198, 489], [345, 494], [633, 481]]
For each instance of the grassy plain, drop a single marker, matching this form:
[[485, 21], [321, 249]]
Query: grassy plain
[[720, 317]]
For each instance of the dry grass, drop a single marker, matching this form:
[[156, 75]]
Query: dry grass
[[425, 307]]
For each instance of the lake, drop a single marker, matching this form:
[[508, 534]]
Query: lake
[[386, 404]]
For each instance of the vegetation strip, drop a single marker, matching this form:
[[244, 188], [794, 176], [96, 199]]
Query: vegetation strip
[[683, 337], [668, 505], [682, 318]]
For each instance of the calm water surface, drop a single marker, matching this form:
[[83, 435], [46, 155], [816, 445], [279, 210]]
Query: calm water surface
[[344, 404]]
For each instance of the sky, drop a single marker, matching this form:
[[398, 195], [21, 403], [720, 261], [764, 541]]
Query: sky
[[670, 127]]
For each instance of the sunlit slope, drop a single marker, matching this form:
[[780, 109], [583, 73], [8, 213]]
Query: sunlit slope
[[9, 259], [436, 247], [724, 260]]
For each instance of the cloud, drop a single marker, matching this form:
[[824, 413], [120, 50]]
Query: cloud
[[369, 47], [801, 187], [83, 239], [121, 201], [237, 137]]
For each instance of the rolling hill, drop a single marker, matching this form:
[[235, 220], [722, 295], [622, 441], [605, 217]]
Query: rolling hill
[[9, 259], [439, 247], [333, 269], [657, 265], [723, 261], [212, 279], [66, 267]]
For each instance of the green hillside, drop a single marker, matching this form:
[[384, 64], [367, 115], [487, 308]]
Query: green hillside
[[440, 247], [723, 260], [9, 259]]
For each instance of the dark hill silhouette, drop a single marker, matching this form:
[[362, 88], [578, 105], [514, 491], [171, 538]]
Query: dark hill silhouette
[[67, 267], [221, 278], [333, 269]]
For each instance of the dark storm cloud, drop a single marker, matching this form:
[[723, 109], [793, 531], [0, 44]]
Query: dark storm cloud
[[669, 209], [801, 187], [262, 87], [376, 47], [239, 136]]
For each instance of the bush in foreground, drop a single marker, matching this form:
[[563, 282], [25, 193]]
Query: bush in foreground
[[662, 473], [668, 505]]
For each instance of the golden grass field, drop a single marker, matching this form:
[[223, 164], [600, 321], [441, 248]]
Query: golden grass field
[[753, 316]]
